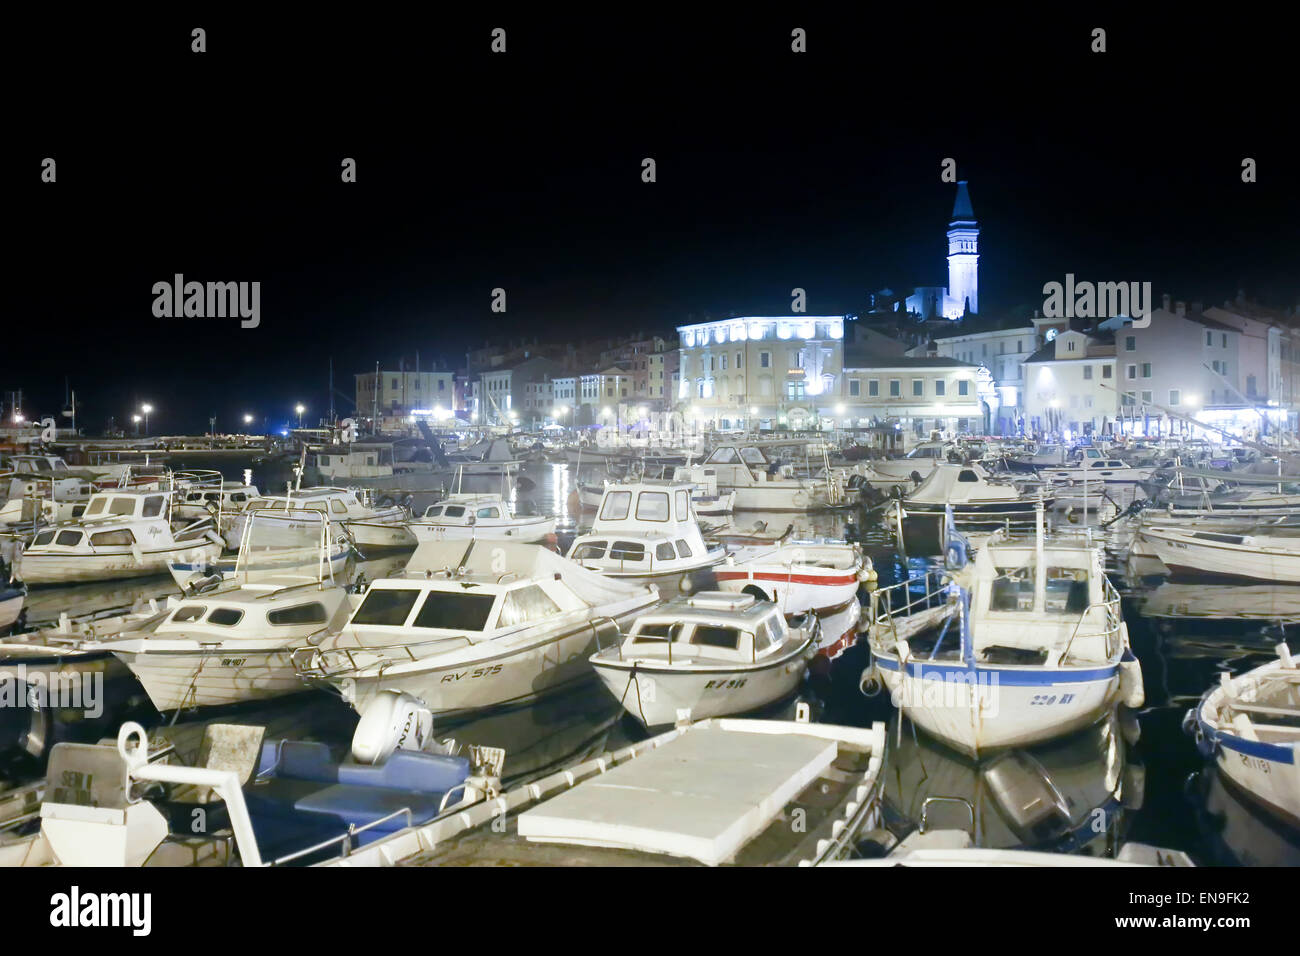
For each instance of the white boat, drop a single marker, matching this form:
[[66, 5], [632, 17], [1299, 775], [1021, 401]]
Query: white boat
[[708, 655], [1249, 726], [197, 502], [1095, 467], [716, 792], [460, 517], [124, 533], [763, 485], [839, 630], [973, 495], [234, 643], [12, 596], [367, 525], [1026, 644], [1259, 554], [464, 629], [645, 531], [706, 499], [493, 458], [797, 575], [914, 467]]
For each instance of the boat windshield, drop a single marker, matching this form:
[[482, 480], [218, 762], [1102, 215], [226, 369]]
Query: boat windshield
[[457, 611]]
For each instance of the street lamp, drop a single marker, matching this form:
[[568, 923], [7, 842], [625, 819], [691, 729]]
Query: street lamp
[[146, 408], [248, 419], [300, 408], [136, 419]]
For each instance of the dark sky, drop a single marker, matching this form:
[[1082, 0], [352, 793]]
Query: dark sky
[[523, 171]]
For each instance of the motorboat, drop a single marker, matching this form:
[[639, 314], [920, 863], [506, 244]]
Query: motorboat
[[708, 655], [915, 466], [1095, 467], [839, 630], [124, 533], [798, 575], [350, 511], [1261, 553], [645, 531], [1025, 644], [706, 499], [466, 629], [234, 642], [975, 498], [461, 517], [761, 484], [716, 792], [1249, 726], [230, 497]]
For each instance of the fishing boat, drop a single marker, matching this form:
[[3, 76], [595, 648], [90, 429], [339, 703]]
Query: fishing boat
[[716, 792], [1261, 553], [351, 512], [976, 499], [460, 517], [761, 484], [645, 531], [1249, 725], [125, 533], [707, 655], [1025, 644], [234, 643], [466, 629], [798, 575]]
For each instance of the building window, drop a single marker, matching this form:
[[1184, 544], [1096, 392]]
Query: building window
[[1225, 340], [1174, 396], [895, 388], [1209, 338], [1146, 398], [1087, 372], [873, 388], [963, 387], [853, 387], [1146, 369], [1069, 346], [764, 359], [1130, 343], [1132, 372], [1106, 371], [940, 386], [918, 387]]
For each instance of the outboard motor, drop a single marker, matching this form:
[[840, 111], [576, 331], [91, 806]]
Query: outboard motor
[[393, 721]]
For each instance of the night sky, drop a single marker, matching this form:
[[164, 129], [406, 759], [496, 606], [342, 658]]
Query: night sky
[[522, 171]]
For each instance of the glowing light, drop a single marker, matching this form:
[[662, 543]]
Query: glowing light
[[146, 408], [753, 409], [1055, 403], [248, 419], [839, 409], [299, 408]]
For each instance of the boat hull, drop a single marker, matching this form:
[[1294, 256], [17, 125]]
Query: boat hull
[[981, 710], [657, 695], [526, 531], [215, 677], [41, 569], [1225, 561]]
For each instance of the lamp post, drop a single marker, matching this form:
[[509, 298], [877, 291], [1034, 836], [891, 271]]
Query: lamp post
[[146, 408], [300, 408], [137, 420]]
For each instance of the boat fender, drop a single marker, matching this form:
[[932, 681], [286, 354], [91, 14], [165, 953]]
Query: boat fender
[[392, 721], [955, 556], [1131, 689], [870, 683]]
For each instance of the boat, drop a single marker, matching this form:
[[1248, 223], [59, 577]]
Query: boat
[[706, 499], [798, 575], [976, 499], [234, 642], [1262, 553], [914, 467], [261, 802], [1096, 467], [1025, 644], [839, 631], [461, 517], [124, 533], [761, 484], [1249, 726], [707, 655], [368, 525], [467, 629], [715, 792], [645, 531], [197, 502]]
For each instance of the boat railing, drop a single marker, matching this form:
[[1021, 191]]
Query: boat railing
[[1110, 602], [345, 839], [898, 600]]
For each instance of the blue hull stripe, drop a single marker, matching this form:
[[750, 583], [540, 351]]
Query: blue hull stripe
[[1011, 677], [1275, 753]]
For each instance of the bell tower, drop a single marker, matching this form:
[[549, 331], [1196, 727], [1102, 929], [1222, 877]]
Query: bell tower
[[963, 257]]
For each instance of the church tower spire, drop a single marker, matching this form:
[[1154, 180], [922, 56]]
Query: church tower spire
[[963, 257]]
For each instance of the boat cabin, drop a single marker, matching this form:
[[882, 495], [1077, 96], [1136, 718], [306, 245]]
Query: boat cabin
[[255, 611], [643, 529], [710, 625], [473, 607], [47, 466], [465, 510]]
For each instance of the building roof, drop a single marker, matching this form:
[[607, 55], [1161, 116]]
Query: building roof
[[961, 209], [903, 362]]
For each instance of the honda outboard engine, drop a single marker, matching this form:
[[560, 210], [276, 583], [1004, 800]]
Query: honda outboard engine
[[393, 721]]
